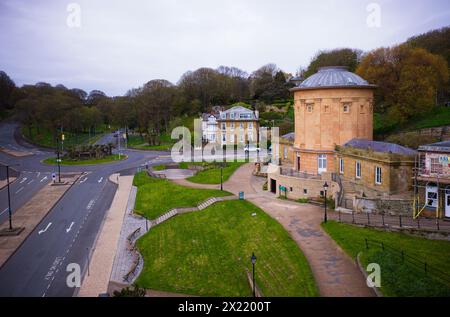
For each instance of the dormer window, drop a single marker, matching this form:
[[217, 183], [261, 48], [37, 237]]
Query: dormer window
[[232, 115], [223, 115]]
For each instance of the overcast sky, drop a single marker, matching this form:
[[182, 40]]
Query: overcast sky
[[123, 44]]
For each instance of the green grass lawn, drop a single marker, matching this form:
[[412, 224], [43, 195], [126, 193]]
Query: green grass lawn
[[46, 138], [211, 175], [157, 196], [138, 142], [107, 159], [397, 278], [207, 253]]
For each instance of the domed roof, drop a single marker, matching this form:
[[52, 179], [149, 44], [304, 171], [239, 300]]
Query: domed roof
[[333, 77]]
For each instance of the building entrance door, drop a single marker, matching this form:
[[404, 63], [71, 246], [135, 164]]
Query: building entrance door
[[447, 202], [273, 186]]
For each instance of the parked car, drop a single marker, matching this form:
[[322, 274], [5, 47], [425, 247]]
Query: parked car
[[251, 148]]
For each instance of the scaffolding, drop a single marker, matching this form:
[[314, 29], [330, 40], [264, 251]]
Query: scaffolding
[[421, 180]]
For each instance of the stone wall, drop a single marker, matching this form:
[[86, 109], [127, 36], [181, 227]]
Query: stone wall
[[298, 188], [392, 207]]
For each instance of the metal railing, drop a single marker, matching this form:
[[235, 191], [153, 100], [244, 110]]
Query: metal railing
[[294, 173], [414, 262], [389, 221]]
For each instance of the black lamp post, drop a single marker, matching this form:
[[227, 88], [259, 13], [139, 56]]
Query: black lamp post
[[253, 258], [325, 189], [221, 176], [9, 196]]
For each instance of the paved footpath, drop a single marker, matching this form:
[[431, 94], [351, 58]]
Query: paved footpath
[[101, 263], [336, 273]]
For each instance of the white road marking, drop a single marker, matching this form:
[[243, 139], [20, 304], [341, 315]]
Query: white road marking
[[91, 203], [83, 180], [1, 213], [46, 228], [20, 189], [38, 174], [44, 179], [30, 182], [100, 180], [70, 227], [23, 180]]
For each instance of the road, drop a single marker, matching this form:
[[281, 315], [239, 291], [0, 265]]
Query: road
[[68, 233]]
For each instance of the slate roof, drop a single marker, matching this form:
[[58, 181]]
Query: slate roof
[[333, 77], [383, 147], [289, 136], [443, 146]]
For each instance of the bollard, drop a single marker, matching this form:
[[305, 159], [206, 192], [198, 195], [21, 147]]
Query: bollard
[[418, 223], [367, 243], [353, 216], [437, 224], [368, 218], [382, 219], [400, 220], [339, 215]]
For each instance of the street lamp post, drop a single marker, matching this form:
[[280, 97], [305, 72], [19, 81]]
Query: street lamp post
[[325, 189], [221, 177], [58, 159], [253, 258], [9, 196]]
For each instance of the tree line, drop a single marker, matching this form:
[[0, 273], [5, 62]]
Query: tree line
[[412, 78]]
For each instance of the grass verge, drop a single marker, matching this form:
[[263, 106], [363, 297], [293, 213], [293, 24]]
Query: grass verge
[[207, 253], [211, 175], [157, 196], [398, 278]]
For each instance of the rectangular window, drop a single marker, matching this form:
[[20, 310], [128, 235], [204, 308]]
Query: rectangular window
[[358, 170], [250, 125], [285, 154], [232, 126], [326, 109], [305, 191], [232, 115], [309, 108], [432, 196], [341, 166], [224, 137], [346, 108], [435, 165], [322, 163], [361, 109], [241, 126], [223, 115], [378, 175], [224, 126]]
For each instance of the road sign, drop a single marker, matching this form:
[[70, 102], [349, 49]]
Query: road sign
[[53, 176], [241, 195]]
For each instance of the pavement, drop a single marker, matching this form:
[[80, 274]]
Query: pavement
[[38, 266], [101, 262], [336, 273]]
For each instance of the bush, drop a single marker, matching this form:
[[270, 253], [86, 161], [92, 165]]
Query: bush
[[303, 200], [265, 186]]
